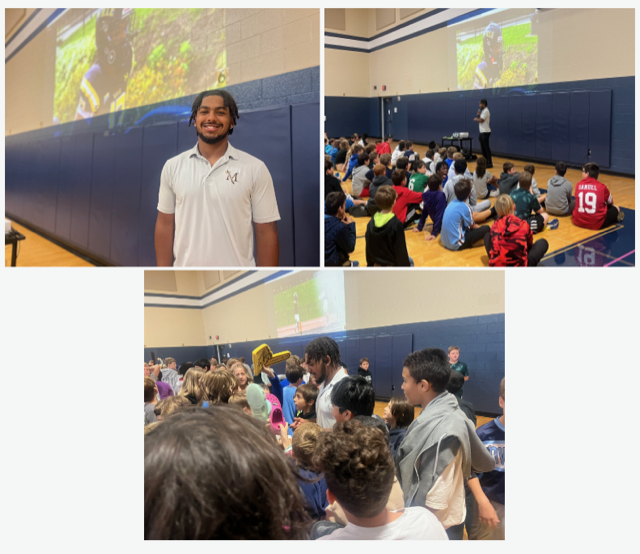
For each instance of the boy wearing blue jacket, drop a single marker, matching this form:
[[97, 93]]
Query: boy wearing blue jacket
[[435, 203]]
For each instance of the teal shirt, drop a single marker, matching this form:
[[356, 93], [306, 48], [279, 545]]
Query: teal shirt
[[460, 367], [525, 203]]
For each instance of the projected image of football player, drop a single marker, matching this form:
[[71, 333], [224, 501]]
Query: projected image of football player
[[296, 314], [489, 70], [103, 87]]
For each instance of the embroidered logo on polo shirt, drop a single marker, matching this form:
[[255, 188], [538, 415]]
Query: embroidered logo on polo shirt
[[233, 178]]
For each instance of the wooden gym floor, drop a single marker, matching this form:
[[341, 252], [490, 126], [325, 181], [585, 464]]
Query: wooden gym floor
[[37, 251], [568, 245]]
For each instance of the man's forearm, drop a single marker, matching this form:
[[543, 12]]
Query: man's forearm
[[164, 245], [267, 244]]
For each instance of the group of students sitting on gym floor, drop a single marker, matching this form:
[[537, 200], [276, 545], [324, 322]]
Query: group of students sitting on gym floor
[[403, 189], [235, 464]]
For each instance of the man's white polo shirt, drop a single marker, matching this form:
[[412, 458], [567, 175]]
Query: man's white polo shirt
[[324, 407], [215, 206]]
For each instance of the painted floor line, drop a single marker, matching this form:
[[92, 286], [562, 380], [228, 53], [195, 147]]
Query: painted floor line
[[620, 258]]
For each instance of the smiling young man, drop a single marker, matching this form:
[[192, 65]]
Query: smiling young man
[[441, 443], [212, 194], [322, 356]]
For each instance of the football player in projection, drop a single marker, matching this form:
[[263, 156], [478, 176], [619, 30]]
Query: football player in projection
[[489, 70], [103, 87]]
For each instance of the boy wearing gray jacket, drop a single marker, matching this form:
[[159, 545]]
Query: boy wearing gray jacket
[[358, 177], [559, 193], [441, 449]]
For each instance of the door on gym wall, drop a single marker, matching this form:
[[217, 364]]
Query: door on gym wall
[[388, 117]]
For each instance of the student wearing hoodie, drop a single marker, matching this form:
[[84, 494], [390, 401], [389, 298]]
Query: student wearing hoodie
[[170, 375], [358, 177], [398, 415], [339, 231], [510, 241], [380, 179], [364, 370], [508, 178], [430, 162], [559, 199], [356, 150], [440, 449], [385, 240], [435, 203], [407, 201], [342, 153]]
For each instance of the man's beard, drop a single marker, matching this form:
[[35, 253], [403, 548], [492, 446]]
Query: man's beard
[[214, 140], [323, 374]]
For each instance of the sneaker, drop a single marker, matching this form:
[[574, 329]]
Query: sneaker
[[553, 224], [493, 194], [620, 215], [355, 263]]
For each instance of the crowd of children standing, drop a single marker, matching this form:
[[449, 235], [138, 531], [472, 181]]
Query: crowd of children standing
[[232, 455]]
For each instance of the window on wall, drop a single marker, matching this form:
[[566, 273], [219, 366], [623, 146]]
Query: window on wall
[[334, 18], [385, 17]]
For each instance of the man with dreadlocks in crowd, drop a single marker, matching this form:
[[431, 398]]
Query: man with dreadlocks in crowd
[[211, 194]]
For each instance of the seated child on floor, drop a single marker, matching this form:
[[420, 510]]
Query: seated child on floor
[[339, 231], [508, 178], [385, 240], [526, 203], [530, 168], [510, 241], [559, 199], [418, 181], [408, 201], [434, 202], [458, 228], [594, 203]]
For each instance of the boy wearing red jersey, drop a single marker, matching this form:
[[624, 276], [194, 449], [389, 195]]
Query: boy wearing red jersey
[[594, 203]]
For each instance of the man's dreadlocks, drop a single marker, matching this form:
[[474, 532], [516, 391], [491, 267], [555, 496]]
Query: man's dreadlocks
[[227, 99]]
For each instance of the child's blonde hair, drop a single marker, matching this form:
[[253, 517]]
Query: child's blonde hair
[[502, 388], [504, 205], [304, 443], [170, 405], [190, 382]]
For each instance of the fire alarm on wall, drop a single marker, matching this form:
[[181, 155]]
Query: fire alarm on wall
[[384, 87], [217, 337]]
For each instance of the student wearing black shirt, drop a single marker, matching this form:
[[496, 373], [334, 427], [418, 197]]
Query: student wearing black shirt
[[364, 370]]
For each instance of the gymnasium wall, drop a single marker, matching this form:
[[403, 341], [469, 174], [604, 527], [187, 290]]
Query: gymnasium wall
[[170, 328], [569, 61], [94, 186], [450, 310]]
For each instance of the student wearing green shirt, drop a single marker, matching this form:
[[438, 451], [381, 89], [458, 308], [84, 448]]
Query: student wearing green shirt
[[418, 181], [460, 367]]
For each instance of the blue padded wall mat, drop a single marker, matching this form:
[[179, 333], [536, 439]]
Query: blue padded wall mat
[[305, 124], [159, 143], [127, 180], [481, 340], [515, 125], [579, 127], [514, 115], [599, 125], [60, 182], [544, 115], [101, 194], [266, 134], [346, 115], [560, 126]]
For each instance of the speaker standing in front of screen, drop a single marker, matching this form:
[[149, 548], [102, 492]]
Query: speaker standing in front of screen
[[211, 195]]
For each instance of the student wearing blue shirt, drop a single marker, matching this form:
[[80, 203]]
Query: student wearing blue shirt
[[294, 373], [458, 228]]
